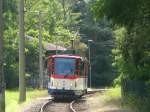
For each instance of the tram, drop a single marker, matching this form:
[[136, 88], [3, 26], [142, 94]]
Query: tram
[[68, 75]]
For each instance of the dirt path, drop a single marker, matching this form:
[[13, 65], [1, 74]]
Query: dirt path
[[99, 102], [35, 104]]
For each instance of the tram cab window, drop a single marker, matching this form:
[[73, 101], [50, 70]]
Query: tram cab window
[[64, 66]]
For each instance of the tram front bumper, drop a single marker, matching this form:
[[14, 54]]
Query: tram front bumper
[[62, 92]]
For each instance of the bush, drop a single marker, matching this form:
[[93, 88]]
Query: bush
[[136, 94], [139, 104]]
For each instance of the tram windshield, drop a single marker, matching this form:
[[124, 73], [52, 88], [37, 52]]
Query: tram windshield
[[64, 66]]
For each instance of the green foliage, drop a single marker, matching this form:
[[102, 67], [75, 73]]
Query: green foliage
[[99, 31], [111, 91], [55, 29], [10, 44], [139, 104], [126, 13], [131, 55], [32, 54]]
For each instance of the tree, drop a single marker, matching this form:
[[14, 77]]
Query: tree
[[2, 84], [132, 51], [52, 23], [126, 13], [101, 34], [22, 88], [11, 50]]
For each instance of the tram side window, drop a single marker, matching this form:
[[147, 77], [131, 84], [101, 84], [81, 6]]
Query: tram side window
[[50, 66], [81, 68], [86, 69]]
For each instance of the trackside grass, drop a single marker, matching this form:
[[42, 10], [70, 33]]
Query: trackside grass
[[12, 96], [112, 95], [114, 92]]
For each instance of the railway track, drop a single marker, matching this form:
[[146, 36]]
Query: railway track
[[80, 105], [77, 105], [56, 106]]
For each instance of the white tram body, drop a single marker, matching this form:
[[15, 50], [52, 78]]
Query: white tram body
[[67, 75]]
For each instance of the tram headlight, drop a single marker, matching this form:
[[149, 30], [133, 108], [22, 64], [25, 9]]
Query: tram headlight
[[71, 86]]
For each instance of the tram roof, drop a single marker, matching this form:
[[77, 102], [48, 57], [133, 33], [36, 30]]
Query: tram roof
[[65, 56]]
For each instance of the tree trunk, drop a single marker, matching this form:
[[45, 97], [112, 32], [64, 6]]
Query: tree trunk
[[2, 84], [22, 88]]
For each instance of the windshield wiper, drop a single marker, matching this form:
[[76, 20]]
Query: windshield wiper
[[66, 75], [71, 72]]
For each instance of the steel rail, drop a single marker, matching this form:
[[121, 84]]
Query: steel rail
[[45, 104], [71, 106]]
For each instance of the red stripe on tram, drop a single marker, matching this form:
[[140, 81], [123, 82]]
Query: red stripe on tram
[[62, 76]]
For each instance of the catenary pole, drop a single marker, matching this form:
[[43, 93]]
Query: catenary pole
[[90, 68], [22, 86], [40, 52]]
